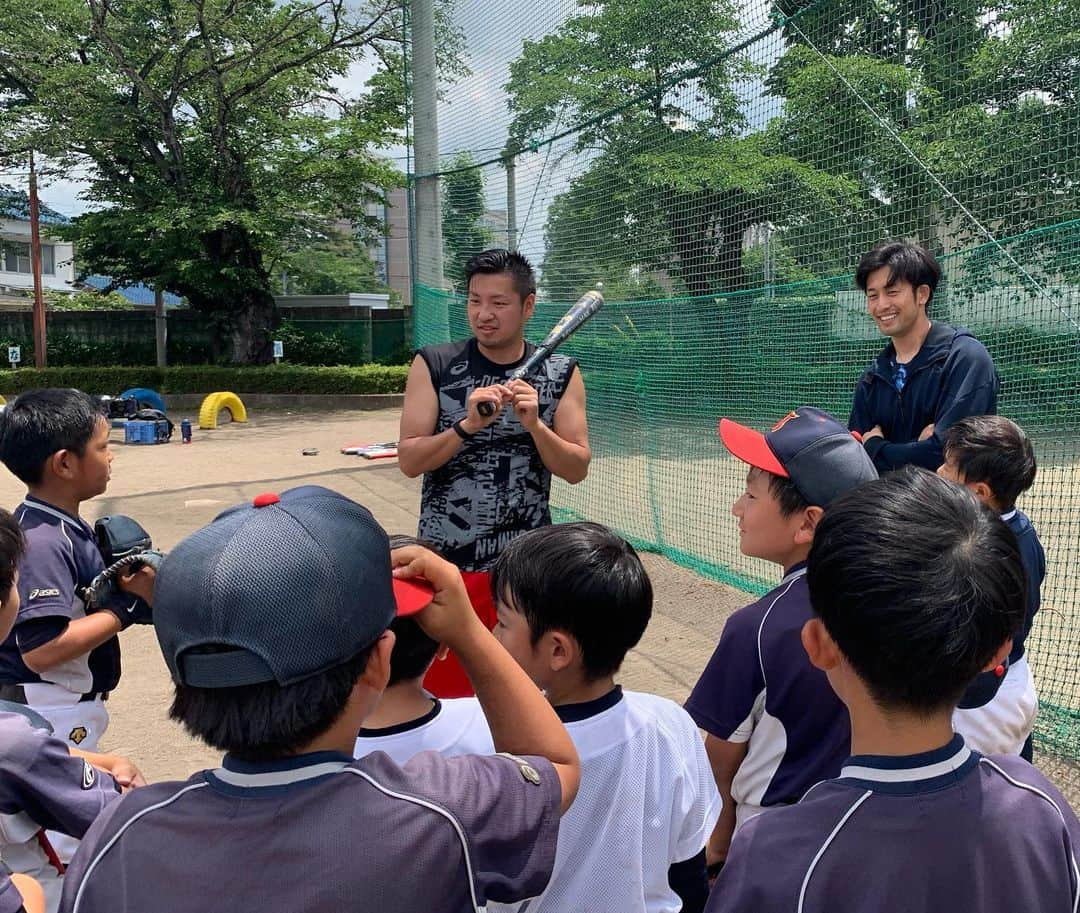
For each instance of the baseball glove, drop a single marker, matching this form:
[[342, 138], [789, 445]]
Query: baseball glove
[[125, 546]]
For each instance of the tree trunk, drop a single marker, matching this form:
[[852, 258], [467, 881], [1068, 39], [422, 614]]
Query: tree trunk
[[251, 326], [250, 313]]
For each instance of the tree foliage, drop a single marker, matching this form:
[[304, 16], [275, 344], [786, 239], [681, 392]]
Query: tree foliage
[[674, 180], [333, 263], [463, 208], [877, 102], [213, 132], [985, 97]]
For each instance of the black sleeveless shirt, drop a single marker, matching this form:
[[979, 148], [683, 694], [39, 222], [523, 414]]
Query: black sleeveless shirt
[[496, 486]]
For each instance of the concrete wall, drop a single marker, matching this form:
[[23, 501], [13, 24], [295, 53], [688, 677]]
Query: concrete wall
[[372, 300]]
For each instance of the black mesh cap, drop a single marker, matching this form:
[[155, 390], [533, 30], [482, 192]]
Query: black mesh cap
[[277, 590]]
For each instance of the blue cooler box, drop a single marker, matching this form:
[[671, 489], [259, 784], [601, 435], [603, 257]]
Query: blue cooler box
[[139, 431]]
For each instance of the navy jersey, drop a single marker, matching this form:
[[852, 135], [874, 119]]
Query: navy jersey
[[322, 832], [759, 687], [943, 830], [10, 898], [496, 487], [42, 785], [987, 684], [62, 558], [1034, 558]]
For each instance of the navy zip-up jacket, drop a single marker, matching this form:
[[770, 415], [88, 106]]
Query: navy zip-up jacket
[[951, 377]]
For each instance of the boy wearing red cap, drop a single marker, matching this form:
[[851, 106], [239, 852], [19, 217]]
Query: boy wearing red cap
[[773, 725]]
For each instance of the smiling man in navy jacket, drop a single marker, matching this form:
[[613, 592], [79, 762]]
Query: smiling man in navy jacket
[[928, 376]]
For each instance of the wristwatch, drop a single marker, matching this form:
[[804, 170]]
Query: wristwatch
[[461, 432]]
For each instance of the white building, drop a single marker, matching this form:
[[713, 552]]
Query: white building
[[57, 255]]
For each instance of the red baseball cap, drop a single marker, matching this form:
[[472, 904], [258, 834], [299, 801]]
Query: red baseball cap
[[412, 596]]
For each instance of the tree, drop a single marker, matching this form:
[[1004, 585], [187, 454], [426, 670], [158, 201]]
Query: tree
[[212, 132], [673, 182], [463, 208], [986, 96], [334, 264]]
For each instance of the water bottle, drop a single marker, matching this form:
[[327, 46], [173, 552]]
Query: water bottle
[[185, 431]]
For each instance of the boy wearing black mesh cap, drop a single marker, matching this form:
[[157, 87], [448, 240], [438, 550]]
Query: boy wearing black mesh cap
[[273, 621]]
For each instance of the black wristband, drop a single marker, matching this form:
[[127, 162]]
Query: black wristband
[[461, 432]]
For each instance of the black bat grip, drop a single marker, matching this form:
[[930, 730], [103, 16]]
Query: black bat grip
[[486, 408]]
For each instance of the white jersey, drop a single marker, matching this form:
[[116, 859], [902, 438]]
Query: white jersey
[[1002, 725], [453, 727], [647, 800]]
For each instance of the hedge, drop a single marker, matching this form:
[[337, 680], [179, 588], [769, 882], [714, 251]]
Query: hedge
[[208, 379]]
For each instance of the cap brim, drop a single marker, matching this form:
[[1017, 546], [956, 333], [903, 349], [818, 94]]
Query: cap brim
[[412, 595], [751, 447]]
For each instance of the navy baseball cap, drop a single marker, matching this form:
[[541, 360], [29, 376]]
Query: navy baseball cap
[[821, 457], [280, 589]]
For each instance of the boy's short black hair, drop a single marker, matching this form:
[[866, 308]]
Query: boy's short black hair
[[788, 497], [994, 450], [918, 584], [268, 721], [39, 423], [12, 547], [499, 260], [583, 579], [906, 261], [413, 650]]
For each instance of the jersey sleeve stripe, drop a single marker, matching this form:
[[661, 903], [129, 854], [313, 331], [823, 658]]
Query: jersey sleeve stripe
[[1054, 805], [439, 810], [821, 852], [120, 832]]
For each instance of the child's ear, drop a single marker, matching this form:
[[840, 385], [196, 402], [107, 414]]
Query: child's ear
[[562, 650], [811, 517], [982, 491], [377, 672], [442, 652], [999, 657], [62, 464], [819, 646]]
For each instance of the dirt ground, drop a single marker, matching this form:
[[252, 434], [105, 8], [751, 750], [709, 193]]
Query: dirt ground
[[173, 489]]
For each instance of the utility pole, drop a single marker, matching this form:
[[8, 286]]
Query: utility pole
[[768, 261], [511, 203], [428, 201], [35, 265], [161, 329]]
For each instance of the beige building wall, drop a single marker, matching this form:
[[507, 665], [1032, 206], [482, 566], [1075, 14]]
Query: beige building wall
[[396, 244]]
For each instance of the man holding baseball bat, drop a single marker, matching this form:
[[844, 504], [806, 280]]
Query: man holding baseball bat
[[487, 477]]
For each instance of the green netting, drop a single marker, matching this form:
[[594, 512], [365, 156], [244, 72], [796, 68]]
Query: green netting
[[720, 169]]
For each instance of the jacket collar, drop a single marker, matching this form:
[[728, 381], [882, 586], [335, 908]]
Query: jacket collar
[[935, 348]]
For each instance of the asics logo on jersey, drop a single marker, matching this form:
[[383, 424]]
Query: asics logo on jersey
[[88, 775], [40, 593]]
